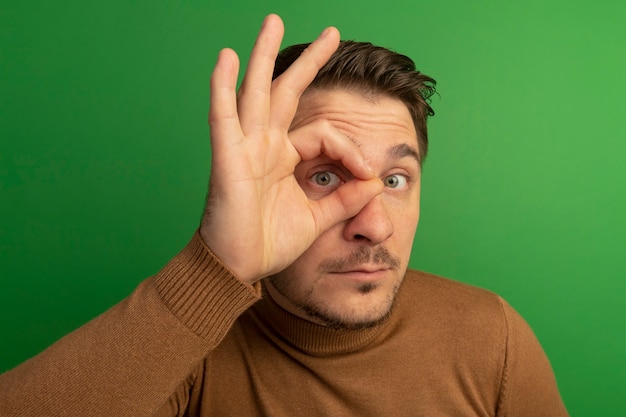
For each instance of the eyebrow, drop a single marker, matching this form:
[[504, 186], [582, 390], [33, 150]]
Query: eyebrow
[[399, 151], [403, 150]]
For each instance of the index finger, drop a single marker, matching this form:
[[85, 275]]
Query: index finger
[[322, 138], [289, 86]]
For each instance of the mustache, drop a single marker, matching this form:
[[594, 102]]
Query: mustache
[[363, 255]]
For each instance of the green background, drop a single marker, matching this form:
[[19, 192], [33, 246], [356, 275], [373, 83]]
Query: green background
[[104, 157]]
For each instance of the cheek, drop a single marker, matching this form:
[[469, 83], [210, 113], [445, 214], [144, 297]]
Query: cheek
[[405, 226], [405, 212], [406, 235]]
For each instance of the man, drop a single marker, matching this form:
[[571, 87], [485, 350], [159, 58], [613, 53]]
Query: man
[[313, 203]]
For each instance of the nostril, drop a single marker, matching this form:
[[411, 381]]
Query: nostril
[[359, 237]]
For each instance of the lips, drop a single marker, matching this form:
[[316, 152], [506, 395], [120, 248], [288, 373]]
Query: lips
[[363, 269], [362, 274]]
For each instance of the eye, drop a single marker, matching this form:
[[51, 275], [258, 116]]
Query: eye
[[326, 179], [395, 181]]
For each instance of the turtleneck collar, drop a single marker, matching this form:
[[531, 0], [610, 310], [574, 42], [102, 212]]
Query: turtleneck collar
[[312, 338]]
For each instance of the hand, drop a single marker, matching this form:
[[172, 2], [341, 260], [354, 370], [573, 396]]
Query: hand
[[258, 220]]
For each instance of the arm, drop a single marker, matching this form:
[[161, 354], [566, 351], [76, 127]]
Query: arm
[[528, 384], [131, 359]]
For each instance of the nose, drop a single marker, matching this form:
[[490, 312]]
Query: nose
[[372, 224]]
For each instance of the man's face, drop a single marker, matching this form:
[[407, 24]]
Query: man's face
[[349, 277]]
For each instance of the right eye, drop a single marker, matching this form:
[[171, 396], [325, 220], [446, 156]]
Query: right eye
[[326, 179]]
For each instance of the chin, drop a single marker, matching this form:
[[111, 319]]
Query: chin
[[350, 312], [351, 304], [336, 320]]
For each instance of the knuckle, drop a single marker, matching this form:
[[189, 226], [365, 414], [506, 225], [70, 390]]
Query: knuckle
[[323, 125]]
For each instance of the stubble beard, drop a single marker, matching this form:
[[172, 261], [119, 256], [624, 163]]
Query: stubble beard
[[325, 315]]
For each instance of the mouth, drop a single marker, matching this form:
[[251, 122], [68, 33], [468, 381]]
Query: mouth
[[363, 274], [365, 268]]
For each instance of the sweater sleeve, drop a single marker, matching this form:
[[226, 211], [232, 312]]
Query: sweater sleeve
[[528, 386], [131, 359]]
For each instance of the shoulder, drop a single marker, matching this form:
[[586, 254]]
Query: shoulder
[[454, 299], [473, 332], [473, 318], [480, 328], [469, 320], [448, 296]]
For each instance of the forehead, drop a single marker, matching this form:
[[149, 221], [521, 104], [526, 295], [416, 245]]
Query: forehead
[[357, 115]]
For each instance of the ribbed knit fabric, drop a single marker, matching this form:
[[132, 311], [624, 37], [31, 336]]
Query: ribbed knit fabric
[[202, 293], [195, 341]]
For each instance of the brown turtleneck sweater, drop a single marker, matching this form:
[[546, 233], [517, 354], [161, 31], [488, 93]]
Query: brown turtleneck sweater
[[194, 341]]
